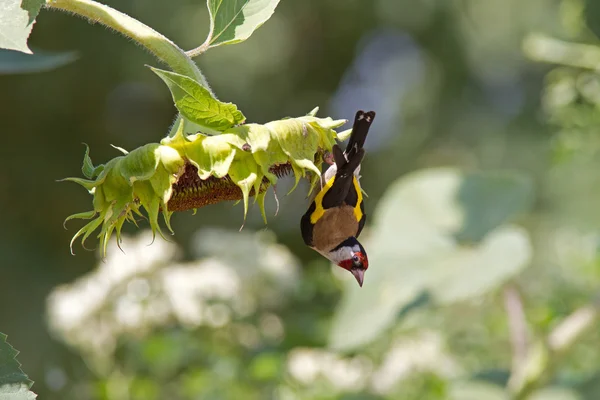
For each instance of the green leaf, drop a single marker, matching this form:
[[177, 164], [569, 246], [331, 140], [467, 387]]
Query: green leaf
[[86, 183], [141, 163], [212, 157], [233, 21], [32, 7], [556, 393], [477, 390], [197, 104], [16, 20], [590, 386], [14, 62], [10, 368], [266, 366], [14, 383], [463, 272], [87, 168], [488, 200], [82, 215], [414, 250], [243, 172], [497, 376]]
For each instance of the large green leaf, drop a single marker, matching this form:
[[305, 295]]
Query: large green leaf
[[488, 200], [197, 104], [415, 252], [233, 21], [16, 20], [14, 384], [477, 390], [13, 62]]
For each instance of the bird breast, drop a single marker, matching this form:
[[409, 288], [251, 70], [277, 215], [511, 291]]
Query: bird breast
[[336, 225]]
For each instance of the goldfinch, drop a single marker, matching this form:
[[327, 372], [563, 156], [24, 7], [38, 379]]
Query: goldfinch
[[336, 215]]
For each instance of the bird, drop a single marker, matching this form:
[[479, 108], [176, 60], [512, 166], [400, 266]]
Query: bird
[[336, 215]]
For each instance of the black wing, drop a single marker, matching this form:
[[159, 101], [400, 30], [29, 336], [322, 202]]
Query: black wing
[[306, 227], [348, 161], [360, 129], [342, 184]]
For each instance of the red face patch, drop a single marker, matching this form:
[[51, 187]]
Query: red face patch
[[359, 260], [346, 264]]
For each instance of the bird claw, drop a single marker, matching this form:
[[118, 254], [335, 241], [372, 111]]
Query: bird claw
[[328, 157]]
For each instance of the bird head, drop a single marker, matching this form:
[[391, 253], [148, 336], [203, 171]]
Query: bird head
[[351, 256]]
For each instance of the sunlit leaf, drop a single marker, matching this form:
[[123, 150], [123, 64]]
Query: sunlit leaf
[[414, 248], [197, 104], [16, 391], [16, 20], [14, 62], [233, 21]]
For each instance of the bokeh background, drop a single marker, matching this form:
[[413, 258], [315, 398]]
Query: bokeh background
[[482, 172]]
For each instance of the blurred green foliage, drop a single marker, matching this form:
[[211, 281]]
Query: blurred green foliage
[[483, 273]]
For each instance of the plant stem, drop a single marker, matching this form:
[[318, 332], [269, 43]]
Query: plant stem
[[157, 44], [197, 51], [572, 327], [517, 324], [544, 48], [204, 46]]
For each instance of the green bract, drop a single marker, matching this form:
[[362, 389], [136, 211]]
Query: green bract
[[187, 172], [198, 105]]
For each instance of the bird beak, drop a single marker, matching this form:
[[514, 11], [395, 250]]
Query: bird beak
[[359, 274]]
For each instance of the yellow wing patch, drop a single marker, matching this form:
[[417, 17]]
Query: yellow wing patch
[[319, 210], [357, 211]]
